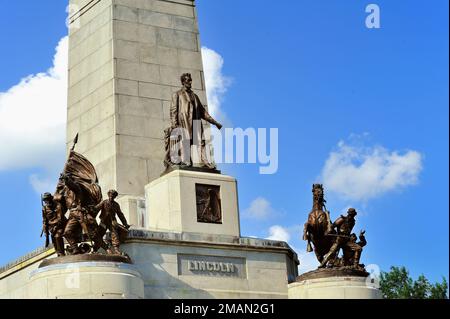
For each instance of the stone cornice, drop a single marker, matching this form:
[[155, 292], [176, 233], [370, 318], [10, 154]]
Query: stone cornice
[[178, 239]]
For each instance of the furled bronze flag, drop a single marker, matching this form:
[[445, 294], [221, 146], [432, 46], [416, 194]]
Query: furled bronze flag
[[83, 173]]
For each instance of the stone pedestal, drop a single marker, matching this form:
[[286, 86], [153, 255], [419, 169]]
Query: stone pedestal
[[59, 278], [336, 285], [171, 203]]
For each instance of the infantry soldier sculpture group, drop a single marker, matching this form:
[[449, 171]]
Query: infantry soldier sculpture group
[[330, 238], [79, 195]]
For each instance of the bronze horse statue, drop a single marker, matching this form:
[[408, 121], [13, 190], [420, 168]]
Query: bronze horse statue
[[318, 227]]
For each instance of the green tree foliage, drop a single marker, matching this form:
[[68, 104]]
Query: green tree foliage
[[397, 284]]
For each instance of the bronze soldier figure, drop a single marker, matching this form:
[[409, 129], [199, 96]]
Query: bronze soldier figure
[[108, 221], [352, 251], [344, 227], [79, 193], [81, 219], [54, 222], [186, 115]]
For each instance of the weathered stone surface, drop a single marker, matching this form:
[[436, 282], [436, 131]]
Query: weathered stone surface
[[106, 168], [149, 73], [190, 59], [140, 147], [131, 173], [127, 87], [133, 208], [99, 153], [155, 19], [177, 39], [86, 280], [127, 50], [147, 34], [334, 288], [71, 259], [158, 55], [124, 13], [133, 105], [156, 91], [97, 114], [90, 63], [124, 30]]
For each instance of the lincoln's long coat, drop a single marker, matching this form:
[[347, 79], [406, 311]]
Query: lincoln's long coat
[[184, 111]]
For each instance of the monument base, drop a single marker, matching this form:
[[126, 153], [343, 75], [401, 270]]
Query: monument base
[[86, 277], [172, 203], [205, 266], [341, 283]]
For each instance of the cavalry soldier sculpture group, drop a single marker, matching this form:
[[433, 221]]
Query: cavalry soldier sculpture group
[[328, 238], [71, 213]]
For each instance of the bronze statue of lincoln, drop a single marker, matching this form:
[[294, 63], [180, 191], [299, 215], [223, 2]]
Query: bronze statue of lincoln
[[186, 115]]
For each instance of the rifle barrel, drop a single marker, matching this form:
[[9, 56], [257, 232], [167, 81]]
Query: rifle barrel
[[336, 235]]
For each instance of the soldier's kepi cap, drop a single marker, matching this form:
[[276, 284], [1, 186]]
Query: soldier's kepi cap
[[352, 211], [47, 196]]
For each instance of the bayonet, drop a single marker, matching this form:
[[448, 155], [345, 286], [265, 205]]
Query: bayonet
[[336, 235], [75, 141]]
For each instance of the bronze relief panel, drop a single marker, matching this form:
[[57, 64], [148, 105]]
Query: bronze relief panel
[[209, 204]]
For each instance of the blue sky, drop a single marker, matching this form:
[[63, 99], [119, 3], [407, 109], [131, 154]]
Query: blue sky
[[349, 103]]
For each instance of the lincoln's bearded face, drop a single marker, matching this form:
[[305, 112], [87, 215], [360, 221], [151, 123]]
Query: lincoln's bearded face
[[187, 82]]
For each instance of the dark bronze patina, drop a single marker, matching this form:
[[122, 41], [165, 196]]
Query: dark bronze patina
[[187, 129], [328, 239], [109, 210], [318, 225], [209, 206], [78, 195], [78, 185], [54, 223]]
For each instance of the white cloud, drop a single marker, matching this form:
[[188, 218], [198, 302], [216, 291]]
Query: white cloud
[[260, 208], [43, 184], [216, 83], [33, 119], [308, 261], [362, 173], [279, 233]]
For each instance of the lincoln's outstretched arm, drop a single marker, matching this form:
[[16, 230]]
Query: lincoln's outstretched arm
[[208, 117]]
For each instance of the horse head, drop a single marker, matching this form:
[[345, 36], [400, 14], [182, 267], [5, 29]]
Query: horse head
[[318, 197]]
